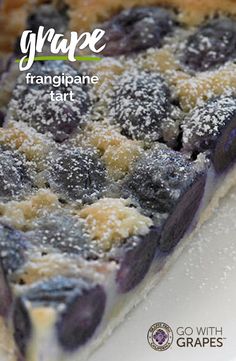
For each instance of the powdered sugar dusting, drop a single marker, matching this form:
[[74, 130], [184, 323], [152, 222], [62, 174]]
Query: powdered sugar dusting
[[140, 99], [140, 103], [206, 122]]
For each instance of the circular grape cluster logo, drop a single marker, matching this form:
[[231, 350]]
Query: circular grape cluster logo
[[160, 336]]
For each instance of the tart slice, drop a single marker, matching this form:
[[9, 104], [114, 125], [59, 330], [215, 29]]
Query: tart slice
[[99, 195]]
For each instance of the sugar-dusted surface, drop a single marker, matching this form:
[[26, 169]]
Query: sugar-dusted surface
[[207, 122], [206, 276], [65, 171]]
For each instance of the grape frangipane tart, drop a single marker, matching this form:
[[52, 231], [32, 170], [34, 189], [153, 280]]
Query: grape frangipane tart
[[97, 196]]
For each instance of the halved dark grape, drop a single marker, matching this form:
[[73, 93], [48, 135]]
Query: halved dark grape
[[80, 319], [32, 103], [225, 150], [64, 232], [13, 246], [169, 188], [213, 44], [137, 29], [5, 292], [14, 175], [135, 258], [141, 102], [22, 325], [213, 127], [180, 219], [159, 179], [84, 305], [78, 174]]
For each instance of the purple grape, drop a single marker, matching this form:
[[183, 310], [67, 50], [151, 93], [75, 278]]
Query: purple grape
[[141, 103], [84, 305], [182, 215], [32, 103], [135, 258], [13, 246], [169, 188], [77, 173], [159, 178], [212, 127], [211, 45], [49, 17], [63, 232], [137, 29], [14, 174], [82, 316]]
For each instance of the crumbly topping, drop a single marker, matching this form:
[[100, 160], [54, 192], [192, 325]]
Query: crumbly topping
[[187, 87], [110, 221], [119, 159], [118, 152], [56, 263], [162, 60], [100, 135], [26, 140], [196, 90], [21, 214], [190, 12]]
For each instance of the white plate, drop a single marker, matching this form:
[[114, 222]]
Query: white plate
[[198, 290]]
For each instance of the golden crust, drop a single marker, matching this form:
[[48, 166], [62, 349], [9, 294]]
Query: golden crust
[[86, 13], [13, 16]]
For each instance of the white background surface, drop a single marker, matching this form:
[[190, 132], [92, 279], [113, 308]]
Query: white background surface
[[198, 290]]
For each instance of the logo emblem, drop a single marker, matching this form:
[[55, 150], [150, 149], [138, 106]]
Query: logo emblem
[[160, 336]]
